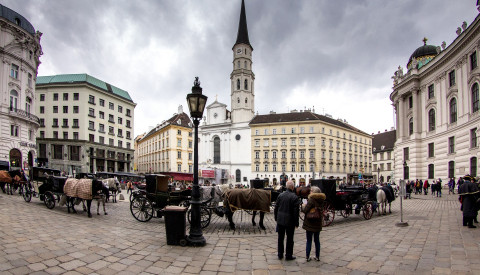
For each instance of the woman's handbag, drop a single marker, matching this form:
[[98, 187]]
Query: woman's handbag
[[314, 214]]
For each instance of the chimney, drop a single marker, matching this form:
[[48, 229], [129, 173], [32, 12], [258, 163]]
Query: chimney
[[180, 109]]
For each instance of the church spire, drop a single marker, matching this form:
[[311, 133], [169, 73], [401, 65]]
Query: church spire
[[242, 35]]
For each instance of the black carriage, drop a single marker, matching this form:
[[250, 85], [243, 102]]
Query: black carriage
[[149, 202], [345, 201], [45, 183]]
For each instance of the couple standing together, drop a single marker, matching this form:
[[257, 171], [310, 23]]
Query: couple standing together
[[287, 208]]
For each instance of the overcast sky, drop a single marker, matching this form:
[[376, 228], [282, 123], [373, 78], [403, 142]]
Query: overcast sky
[[334, 56]]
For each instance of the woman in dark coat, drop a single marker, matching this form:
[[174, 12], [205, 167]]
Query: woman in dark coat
[[313, 226]]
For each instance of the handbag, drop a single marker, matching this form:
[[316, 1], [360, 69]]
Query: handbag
[[314, 214]]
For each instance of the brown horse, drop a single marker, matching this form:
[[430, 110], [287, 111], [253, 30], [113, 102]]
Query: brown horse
[[11, 180], [302, 191]]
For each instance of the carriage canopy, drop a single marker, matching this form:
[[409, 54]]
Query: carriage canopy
[[156, 183]]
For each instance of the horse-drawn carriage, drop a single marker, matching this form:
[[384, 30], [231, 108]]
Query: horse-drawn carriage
[[149, 202], [344, 200], [44, 183]]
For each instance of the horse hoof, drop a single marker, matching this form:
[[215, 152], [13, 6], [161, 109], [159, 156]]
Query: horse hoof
[[106, 213], [89, 215], [254, 223], [232, 226], [262, 227], [98, 213]]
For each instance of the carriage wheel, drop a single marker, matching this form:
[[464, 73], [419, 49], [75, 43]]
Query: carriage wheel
[[49, 200], [328, 214], [205, 216], [27, 194], [367, 210], [141, 209], [347, 211]]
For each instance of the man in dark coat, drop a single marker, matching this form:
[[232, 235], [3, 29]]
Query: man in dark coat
[[468, 192], [287, 208]]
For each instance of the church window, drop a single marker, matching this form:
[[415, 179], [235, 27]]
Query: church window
[[216, 150], [238, 100], [238, 64], [238, 175], [453, 110], [238, 85], [245, 85], [245, 64], [246, 100]]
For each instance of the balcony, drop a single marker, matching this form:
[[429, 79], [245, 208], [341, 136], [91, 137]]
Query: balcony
[[24, 115]]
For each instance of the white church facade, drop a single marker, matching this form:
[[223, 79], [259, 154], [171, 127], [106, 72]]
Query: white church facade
[[224, 135]]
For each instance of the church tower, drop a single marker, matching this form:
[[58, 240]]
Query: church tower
[[242, 77]]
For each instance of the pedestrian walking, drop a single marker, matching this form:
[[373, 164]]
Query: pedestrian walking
[[425, 187], [313, 221], [434, 186], [439, 188], [286, 212], [468, 192], [129, 186]]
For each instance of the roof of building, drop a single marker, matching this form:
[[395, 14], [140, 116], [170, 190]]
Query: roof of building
[[423, 51], [386, 139], [82, 78], [181, 119], [16, 19], [301, 117], [242, 35]]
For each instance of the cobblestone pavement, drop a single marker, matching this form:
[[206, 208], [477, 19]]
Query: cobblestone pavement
[[36, 240]]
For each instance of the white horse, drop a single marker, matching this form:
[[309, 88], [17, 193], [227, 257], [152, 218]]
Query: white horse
[[113, 186], [382, 202]]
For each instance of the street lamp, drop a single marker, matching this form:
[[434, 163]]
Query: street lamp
[[196, 104], [378, 174]]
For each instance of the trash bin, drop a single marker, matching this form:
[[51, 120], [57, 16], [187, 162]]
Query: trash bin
[[175, 226]]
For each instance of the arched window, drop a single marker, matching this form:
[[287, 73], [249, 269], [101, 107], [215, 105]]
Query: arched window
[[475, 97], [246, 100], [216, 150], [238, 175], [238, 84], [410, 126], [431, 120], [28, 104], [451, 169], [453, 110], [13, 100], [473, 167], [245, 84], [294, 154], [238, 100]]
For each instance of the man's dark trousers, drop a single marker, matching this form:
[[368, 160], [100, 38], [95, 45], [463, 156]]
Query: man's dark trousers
[[290, 230]]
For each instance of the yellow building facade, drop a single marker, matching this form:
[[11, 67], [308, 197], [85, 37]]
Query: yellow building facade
[[304, 145], [167, 148]]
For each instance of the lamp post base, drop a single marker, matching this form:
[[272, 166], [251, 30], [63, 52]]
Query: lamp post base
[[196, 240], [401, 224]]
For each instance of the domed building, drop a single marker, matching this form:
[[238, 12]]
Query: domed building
[[20, 51], [437, 109]]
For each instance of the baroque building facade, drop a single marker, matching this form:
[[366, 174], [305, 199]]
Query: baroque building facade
[[86, 124], [168, 147], [20, 51], [305, 145], [437, 109], [224, 136]]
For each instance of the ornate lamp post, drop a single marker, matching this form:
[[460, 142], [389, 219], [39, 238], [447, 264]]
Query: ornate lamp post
[[196, 104]]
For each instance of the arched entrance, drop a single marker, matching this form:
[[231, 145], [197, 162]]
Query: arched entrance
[[15, 159]]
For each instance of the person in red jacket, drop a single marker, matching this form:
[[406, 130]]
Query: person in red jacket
[[425, 187]]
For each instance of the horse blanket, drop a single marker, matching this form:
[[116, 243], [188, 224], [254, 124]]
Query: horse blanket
[[5, 177], [249, 199], [389, 193], [78, 188]]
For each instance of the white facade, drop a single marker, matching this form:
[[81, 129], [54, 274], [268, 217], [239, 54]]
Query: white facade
[[20, 52], [224, 136], [437, 111]]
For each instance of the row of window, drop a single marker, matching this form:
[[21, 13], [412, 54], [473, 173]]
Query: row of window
[[302, 167], [15, 130], [155, 143], [14, 102], [91, 113], [452, 110], [381, 167], [91, 138], [163, 167], [451, 169], [293, 155], [381, 154], [311, 131], [14, 74], [91, 100], [293, 142]]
